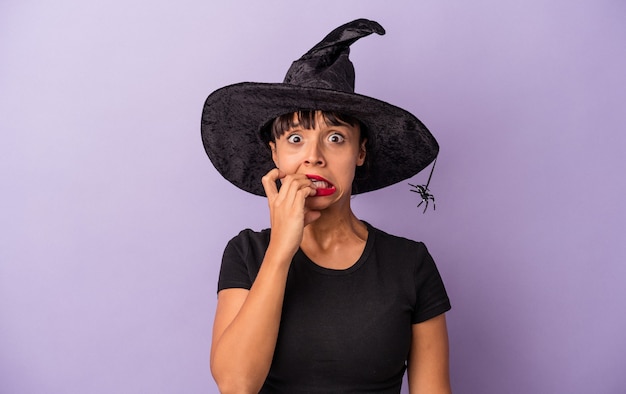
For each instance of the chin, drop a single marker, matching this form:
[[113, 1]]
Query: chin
[[323, 202]]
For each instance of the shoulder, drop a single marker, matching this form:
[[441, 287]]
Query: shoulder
[[242, 259], [249, 238], [251, 235], [415, 271], [395, 243], [402, 253], [248, 247]]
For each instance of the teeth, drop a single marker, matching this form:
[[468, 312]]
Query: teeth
[[320, 184]]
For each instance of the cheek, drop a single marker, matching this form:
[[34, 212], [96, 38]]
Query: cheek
[[283, 158], [284, 161]]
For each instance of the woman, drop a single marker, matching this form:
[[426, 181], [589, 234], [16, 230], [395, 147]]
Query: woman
[[322, 302]]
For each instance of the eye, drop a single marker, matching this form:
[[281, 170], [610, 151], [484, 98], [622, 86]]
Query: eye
[[336, 138], [294, 138]]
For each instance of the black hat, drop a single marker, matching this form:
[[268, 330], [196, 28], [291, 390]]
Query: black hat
[[399, 145]]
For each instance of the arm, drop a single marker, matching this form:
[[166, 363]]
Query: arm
[[245, 330], [428, 366], [246, 323]]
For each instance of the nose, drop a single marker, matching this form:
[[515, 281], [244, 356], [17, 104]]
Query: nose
[[314, 154]]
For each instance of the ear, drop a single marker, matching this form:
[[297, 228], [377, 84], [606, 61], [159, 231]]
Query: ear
[[272, 145], [362, 153]]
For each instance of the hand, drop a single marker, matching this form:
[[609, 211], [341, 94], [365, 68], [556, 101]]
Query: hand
[[288, 212]]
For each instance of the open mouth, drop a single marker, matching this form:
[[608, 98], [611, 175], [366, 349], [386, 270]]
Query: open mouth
[[322, 186]]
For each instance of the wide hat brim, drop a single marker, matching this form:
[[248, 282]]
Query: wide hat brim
[[399, 145]]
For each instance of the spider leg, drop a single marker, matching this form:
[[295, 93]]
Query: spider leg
[[425, 195]]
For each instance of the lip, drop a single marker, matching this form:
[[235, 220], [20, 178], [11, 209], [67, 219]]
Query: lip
[[322, 191]]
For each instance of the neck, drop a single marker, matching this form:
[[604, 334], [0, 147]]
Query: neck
[[335, 241], [333, 227]]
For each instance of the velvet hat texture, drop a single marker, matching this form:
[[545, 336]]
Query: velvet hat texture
[[235, 117]]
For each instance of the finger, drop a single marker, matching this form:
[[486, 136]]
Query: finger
[[269, 182], [295, 189]]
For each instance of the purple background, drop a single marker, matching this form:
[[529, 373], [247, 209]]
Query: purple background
[[114, 221]]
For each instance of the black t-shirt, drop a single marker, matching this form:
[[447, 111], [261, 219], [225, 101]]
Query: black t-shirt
[[344, 330]]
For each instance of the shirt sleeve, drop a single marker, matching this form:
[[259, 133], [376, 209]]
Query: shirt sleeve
[[242, 259], [234, 271], [432, 298]]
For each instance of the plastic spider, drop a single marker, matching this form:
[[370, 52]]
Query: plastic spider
[[425, 195], [424, 192]]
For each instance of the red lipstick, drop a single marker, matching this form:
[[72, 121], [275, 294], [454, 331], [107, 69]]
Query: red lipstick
[[322, 186]]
